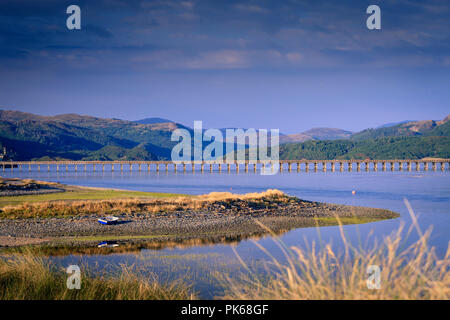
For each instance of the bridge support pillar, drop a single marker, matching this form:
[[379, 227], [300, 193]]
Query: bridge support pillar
[[290, 167], [434, 166], [400, 166], [315, 166], [341, 166], [298, 167], [324, 166], [333, 166], [358, 166], [306, 167], [167, 167], [254, 167], [350, 167], [184, 167]]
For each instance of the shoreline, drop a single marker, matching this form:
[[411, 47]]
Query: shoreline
[[213, 218]]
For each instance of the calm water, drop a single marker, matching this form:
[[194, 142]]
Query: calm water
[[428, 193]]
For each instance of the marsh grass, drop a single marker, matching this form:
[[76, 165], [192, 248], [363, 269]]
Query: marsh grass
[[136, 205], [319, 272], [83, 193], [28, 277]]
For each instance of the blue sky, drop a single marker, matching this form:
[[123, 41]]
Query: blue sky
[[291, 65]]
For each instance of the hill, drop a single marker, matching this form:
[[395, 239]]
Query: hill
[[153, 121], [72, 136], [78, 137], [407, 129], [380, 148], [316, 134]]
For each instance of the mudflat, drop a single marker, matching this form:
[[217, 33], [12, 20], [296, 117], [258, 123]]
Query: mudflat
[[213, 217]]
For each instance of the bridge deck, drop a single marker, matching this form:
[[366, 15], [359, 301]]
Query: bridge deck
[[368, 165]]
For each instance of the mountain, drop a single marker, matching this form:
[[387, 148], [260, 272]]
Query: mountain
[[380, 148], [78, 137], [391, 124], [153, 121], [407, 129], [28, 136], [317, 134]]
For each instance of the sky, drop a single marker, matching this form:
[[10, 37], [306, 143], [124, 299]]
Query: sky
[[286, 64]]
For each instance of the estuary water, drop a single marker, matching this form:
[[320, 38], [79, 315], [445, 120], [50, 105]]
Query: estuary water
[[427, 192]]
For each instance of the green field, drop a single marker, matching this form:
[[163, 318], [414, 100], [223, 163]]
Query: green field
[[84, 194]]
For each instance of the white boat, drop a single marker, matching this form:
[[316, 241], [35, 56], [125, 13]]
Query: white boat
[[109, 244], [108, 220]]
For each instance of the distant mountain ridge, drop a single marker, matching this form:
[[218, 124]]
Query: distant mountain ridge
[[153, 121], [407, 129], [72, 136], [317, 134], [391, 124], [79, 137]]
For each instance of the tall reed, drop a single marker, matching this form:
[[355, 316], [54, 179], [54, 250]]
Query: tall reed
[[27, 277], [407, 272]]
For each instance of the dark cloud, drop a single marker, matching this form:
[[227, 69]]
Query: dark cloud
[[236, 34], [98, 31]]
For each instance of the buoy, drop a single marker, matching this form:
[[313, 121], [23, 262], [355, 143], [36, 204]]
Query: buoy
[[353, 192]]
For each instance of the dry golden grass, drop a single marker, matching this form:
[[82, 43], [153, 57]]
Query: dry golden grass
[[415, 272], [27, 277], [134, 205], [223, 196]]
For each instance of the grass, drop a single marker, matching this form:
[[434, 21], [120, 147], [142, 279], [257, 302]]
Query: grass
[[333, 221], [115, 202], [317, 272], [27, 277], [407, 272], [83, 194]]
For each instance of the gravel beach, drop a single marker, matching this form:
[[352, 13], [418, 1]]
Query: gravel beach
[[219, 220]]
